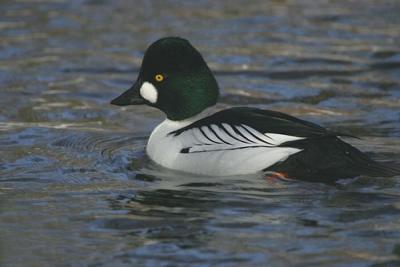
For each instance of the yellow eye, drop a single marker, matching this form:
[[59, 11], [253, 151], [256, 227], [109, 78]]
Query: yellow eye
[[159, 78]]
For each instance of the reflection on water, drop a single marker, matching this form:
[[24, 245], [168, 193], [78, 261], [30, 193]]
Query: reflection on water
[[76, 188]]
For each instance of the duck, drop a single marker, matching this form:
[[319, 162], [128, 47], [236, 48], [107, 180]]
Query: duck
[[198, 138]]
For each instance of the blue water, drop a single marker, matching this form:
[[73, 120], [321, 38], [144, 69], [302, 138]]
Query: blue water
[[76, 188]]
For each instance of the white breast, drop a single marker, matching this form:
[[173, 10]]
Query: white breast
[[217, 150]]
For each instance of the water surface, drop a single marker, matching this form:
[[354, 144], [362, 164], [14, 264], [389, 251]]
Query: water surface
[[76, 188]]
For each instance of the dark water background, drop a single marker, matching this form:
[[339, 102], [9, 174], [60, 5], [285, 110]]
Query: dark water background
[[77, 190]]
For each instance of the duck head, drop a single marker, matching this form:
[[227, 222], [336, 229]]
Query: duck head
[[173, 78]]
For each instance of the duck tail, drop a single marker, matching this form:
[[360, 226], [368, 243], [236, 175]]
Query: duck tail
[[329, 159]]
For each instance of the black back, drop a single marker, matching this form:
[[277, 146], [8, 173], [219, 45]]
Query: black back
[[264, 121]]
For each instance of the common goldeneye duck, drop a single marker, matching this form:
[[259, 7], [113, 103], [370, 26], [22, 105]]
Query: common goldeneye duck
[[241, 140]]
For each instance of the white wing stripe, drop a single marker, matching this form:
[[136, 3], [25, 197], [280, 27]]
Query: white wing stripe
[[223, 135], [200, 138], [232, 133], [247, 135], [257, 135], [240, 133], [221, 147], [282, 138], [216, 133], [209, 135]]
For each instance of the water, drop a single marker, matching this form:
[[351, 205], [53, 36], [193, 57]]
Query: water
[[76, 188]]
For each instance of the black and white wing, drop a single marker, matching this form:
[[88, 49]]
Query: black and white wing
[[240, 128], [224, 136]]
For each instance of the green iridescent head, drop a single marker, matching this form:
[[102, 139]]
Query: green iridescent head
[[173, 78]]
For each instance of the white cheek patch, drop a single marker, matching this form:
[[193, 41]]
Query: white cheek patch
[[149, 92]]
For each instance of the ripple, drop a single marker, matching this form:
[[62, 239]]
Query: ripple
[[74, 177]]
